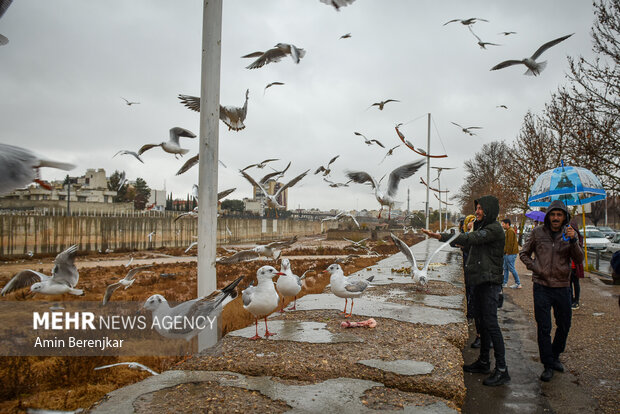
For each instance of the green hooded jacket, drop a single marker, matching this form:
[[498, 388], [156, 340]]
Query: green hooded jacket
[[485, 262]]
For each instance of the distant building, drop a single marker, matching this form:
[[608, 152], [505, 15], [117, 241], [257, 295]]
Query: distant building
[[253, 206], [157, 199]]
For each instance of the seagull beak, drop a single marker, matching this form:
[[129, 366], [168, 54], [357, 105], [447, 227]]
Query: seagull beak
[[280, 273]]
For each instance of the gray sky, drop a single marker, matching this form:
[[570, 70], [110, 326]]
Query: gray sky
[[68, 63]]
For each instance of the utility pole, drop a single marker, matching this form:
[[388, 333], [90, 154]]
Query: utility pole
[[428, 167], [208, 156]]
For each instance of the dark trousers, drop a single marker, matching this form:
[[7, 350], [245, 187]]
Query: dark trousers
[[486, 301], [575, 290], [559, 299]]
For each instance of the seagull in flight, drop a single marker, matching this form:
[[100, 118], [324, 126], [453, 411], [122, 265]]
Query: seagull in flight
[[369, 141], [346, 36], [272, 199], [382, 103], [261, 164], [127, 281], [4, 5], [275, 175], [272, 250], [336, 185], [502, 106], [121, 181], [172, 146], [326, 170], [389, 153], [467, 130], [466, 22], [482, 44], [127, 152], [275, 55], [507, 33], [341, 215], [129, 103], [337, 4], [20, 167], [269, 85], [63, 280], [232, 116], [387, 199], [533, 68], [193, 161], [132, 365]]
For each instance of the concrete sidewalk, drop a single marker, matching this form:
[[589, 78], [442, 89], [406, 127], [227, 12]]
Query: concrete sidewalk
[[411, 362]]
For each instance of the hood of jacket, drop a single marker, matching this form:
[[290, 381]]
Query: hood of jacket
[[490, 206], [557, 205]]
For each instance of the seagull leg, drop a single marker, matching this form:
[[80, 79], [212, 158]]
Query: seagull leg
[[294, 304], [267, 333], [255, 337], [390, 213], [380, 210], [350, 313], [282, 307], [345, 306]]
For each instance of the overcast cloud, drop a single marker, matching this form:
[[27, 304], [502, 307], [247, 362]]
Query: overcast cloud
[[68, 63]]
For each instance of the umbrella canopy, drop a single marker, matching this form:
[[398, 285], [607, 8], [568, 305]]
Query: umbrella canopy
[[536, 215], [573, 185]]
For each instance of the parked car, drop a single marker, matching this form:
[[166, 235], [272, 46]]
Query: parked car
[[607, 231], [614, 244], [596, 240]]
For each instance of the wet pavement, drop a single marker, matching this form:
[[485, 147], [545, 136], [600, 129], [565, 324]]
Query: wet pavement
[[342, 395]]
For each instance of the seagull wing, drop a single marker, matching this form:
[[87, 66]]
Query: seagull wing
[[133, 272], [253, 182], [16, 167], [320, 169], [362, 177], [452, 21], [406, 250], [64, 270], [224, 193], [356, 286], [506, 63], [281, 243], [253, 55], [332, 160], [378, 143], [454, 123], [290, 183], [147, 147], [428, 260], [109, 291], [177, 132], [401, 172], [22, 279], [547, 45], [475, 35], [191, 102], [272, 55]]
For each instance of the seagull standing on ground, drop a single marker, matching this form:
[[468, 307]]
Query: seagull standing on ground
[[419, 276], [172, 146], [63, 280], [275, 55], [132, 365], [533, 68], [289, 284], [127, 281], [261, 300], [343, 287], [404, 171], [192, 310], [20, 167]]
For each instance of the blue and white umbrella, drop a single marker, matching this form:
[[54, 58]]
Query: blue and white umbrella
[[573, 185]]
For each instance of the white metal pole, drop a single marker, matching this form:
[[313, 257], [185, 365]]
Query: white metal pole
[[208, 155], [428, 166], [446, 208], [439, 198]]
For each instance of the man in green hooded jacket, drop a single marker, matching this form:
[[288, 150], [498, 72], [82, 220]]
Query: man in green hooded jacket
[[485, 269]]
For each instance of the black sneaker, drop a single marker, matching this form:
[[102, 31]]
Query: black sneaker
[[478, 367], [476, 343], [547, 374], [498, 378]]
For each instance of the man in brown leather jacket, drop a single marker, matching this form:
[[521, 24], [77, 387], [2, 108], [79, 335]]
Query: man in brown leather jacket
[[554, 245]]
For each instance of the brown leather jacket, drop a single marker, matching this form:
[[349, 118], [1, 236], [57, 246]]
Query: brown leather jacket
[[551, 264]]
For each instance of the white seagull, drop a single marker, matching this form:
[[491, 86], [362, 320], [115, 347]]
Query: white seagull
[[466, 129], [404, 171], [261, 300], [275, 55], [127, 281], [132, 365], [272, 199], [63, 280], [369, 141], [261, 164], [382, 103], [289, 284], [337, 4], [150, 236], [172, 146], [326, 170], [533, 68], [483, 45], [19, 167], [343, 287], [340, 216], [232, 116], [466, 22], [127, 152], [191, 310], [419, 276], [389, 153], [272, 250]]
